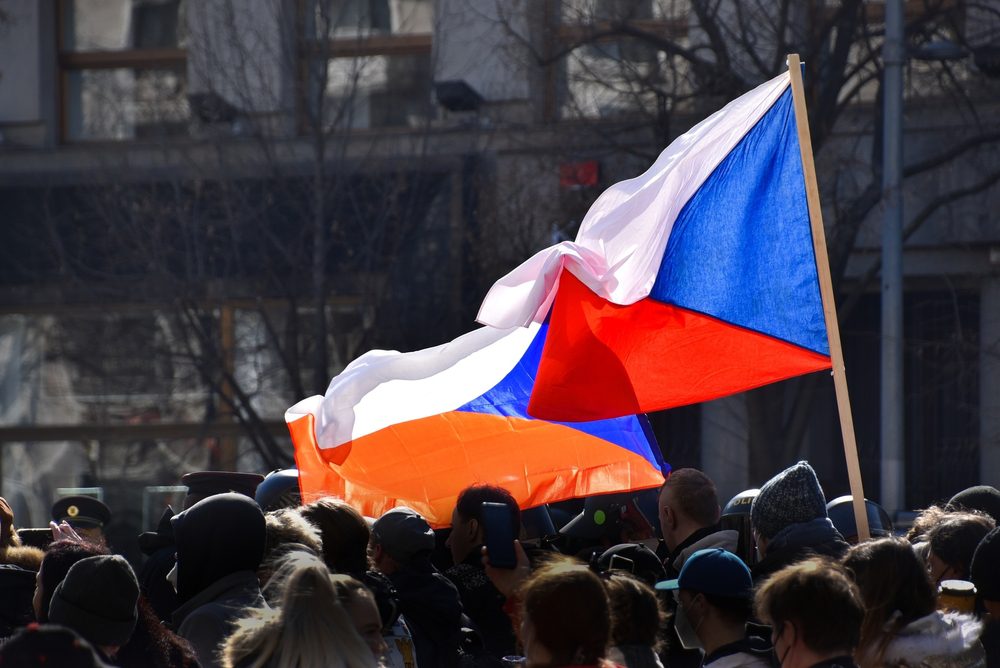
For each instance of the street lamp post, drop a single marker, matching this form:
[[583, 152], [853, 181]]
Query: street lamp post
[[893, 464]]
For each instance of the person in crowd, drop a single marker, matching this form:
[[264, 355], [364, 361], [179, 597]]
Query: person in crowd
[[322, 620], [48, 645], [220, 543], [920, 529], [56, 563], [481, 601], [901, 625], [402, 542], [714, 591], [790, 522], [17, 589], [982, 498], [952, 543], [88, 516], [153, 645], [636, 620], [607, 520], [279, 489], [841, 513], [345, 538], [736, 516], [19, 565], [635, 558], [815, 612], [98, 599], [565, 616], [689, 518], [159, 548], [286, 529], [986, 576]]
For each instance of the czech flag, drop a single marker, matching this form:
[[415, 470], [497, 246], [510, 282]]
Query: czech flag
[[693, 281], [416, 428]]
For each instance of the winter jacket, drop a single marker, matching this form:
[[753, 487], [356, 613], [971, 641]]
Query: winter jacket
[[702, 539], [939, 640], [483, 604], [797, 542], [750, 652], [207, 620], [431, 607], [220, 543]]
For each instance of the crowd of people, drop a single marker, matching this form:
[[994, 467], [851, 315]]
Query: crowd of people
[[247, 576]]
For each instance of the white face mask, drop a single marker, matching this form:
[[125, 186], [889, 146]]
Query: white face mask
[[685, 632], [172, 577]]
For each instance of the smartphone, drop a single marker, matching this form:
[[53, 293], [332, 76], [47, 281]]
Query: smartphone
[[499, 535]]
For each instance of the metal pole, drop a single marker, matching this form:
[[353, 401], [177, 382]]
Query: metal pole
[[893, 464]]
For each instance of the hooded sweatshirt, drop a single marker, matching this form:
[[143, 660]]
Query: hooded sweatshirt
[[220, 543]]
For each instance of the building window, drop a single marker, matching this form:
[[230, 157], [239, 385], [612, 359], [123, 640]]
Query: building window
[[608, 68], [123, 69], [367, 64]]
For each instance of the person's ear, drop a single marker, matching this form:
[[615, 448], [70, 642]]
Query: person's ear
[[475, 528]]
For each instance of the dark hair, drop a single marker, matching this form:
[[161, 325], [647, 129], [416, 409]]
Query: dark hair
[[470, 503], [731, 609], [344, 534], [927, 519], [568, 607], [636, 614], [153, 645], [50, 645], [58, 559], [694, 495], [893, 583], [956, 538], [820, 598]]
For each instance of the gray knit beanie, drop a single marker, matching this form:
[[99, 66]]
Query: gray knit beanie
[[97, 599], [791, 497]]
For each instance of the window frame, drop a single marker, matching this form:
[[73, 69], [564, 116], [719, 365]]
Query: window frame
[[69, 62]]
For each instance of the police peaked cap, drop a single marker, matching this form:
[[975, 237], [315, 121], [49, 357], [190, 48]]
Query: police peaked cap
[[81, 511]]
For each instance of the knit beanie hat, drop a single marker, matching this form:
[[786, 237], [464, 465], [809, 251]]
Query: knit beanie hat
[[983, 571], [981, 497], [97, 599], [791, 497]]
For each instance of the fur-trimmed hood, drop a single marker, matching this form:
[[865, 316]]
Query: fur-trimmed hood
[[939, 639]]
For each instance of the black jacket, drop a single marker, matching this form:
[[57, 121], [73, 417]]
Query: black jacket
[[483, 605], [798, 542], [430, 604]]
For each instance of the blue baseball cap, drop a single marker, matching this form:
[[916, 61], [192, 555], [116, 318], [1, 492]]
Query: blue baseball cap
[[715, 572]]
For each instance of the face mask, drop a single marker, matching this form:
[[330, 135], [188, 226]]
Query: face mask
[[172, 577], [685, 632]]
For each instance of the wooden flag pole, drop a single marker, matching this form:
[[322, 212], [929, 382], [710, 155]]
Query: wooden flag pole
[[829, 305]]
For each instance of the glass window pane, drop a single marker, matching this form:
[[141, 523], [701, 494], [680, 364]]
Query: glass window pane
[[351, 18], [611, 78], [378, 91], [126, 103], [114, 25]]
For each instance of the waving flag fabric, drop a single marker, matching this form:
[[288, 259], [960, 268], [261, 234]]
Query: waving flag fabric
[[416, 428], [693, 281]]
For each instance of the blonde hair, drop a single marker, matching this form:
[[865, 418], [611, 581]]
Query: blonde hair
[[311, 628]]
